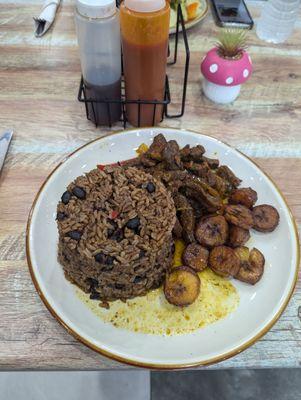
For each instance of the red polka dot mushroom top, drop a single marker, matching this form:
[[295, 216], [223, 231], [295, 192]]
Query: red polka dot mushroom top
[[226, 71]]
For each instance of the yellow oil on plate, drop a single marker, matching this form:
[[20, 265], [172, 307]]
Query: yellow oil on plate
[[152, 313]]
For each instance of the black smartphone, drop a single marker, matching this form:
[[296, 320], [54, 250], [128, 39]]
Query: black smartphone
[[232, 13]]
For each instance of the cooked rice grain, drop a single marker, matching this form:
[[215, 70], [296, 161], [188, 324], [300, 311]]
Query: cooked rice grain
[[140, 257]]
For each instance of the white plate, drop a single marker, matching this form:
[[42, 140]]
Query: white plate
[[193, 22], [260, 306]]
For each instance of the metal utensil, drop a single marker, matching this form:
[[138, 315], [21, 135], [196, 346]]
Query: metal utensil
[[5, 139]]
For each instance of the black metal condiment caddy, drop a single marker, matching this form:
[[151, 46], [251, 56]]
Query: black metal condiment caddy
[[82, 97]]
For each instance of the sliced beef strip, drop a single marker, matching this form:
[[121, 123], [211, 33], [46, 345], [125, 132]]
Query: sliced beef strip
[[212, 162], [133, 162], [225, 172], [171, 156], [146, 161], [170, 176], [156, 149], [197, 169], [198, 209], [211, 178], [192, 153], [199, 191], [177, 230], [185, 152], [186, 216]]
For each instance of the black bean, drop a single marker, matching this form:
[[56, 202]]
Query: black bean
[[100, 257], [150, 187], [138, 279], [173, 248], [66, 197], [119, 286], [75, 235], [104, 259], [94, 295], [133, 223], [113, 228], [117, 235], [79, 192], [142, 253], [92, 282], [113, 223], [109, 260], [110, 232], [60, 216]]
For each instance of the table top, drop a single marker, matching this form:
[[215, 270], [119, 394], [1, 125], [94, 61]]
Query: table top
[[39, 81]]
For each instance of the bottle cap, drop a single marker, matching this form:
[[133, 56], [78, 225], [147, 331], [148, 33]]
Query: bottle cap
[[145, 6], [96, 8]]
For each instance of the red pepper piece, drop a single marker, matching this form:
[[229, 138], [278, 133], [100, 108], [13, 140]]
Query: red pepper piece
[[102, 166], [114, 214]]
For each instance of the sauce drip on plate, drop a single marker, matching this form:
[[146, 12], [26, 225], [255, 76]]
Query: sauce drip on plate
[[152, 314]]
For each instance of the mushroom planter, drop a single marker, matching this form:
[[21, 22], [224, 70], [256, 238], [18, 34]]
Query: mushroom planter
[[223, 77]]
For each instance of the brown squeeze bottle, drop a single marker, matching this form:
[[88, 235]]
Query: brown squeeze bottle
[[144, 32]]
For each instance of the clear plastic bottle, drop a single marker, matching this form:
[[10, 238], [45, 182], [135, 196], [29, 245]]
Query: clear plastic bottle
[[277, 20], [98, 34], [145, 32]]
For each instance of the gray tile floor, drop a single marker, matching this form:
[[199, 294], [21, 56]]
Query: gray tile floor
[[281, 384], [108, 385], [135, 385]]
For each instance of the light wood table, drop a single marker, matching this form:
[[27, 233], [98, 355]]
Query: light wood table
[[39, 82]]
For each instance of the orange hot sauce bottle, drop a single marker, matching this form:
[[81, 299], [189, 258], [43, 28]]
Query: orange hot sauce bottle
[[144, 32]]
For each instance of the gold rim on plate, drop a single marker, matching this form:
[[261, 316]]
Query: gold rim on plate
[[142, 364]]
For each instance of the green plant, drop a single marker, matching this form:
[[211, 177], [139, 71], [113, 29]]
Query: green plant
[[231, 42]]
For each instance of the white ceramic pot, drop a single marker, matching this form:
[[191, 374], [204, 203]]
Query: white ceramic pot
[[220, 94]]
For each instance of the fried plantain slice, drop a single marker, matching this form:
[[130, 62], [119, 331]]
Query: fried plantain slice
[[238, 236], [251, 265], [223, 261], [243, 254], [178, 253], [245, 196], [212, 231], [266, 218], [196, 257], [239, 215], [182, 286]]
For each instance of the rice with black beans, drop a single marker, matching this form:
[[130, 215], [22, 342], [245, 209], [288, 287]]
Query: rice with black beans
[[100, 250]]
